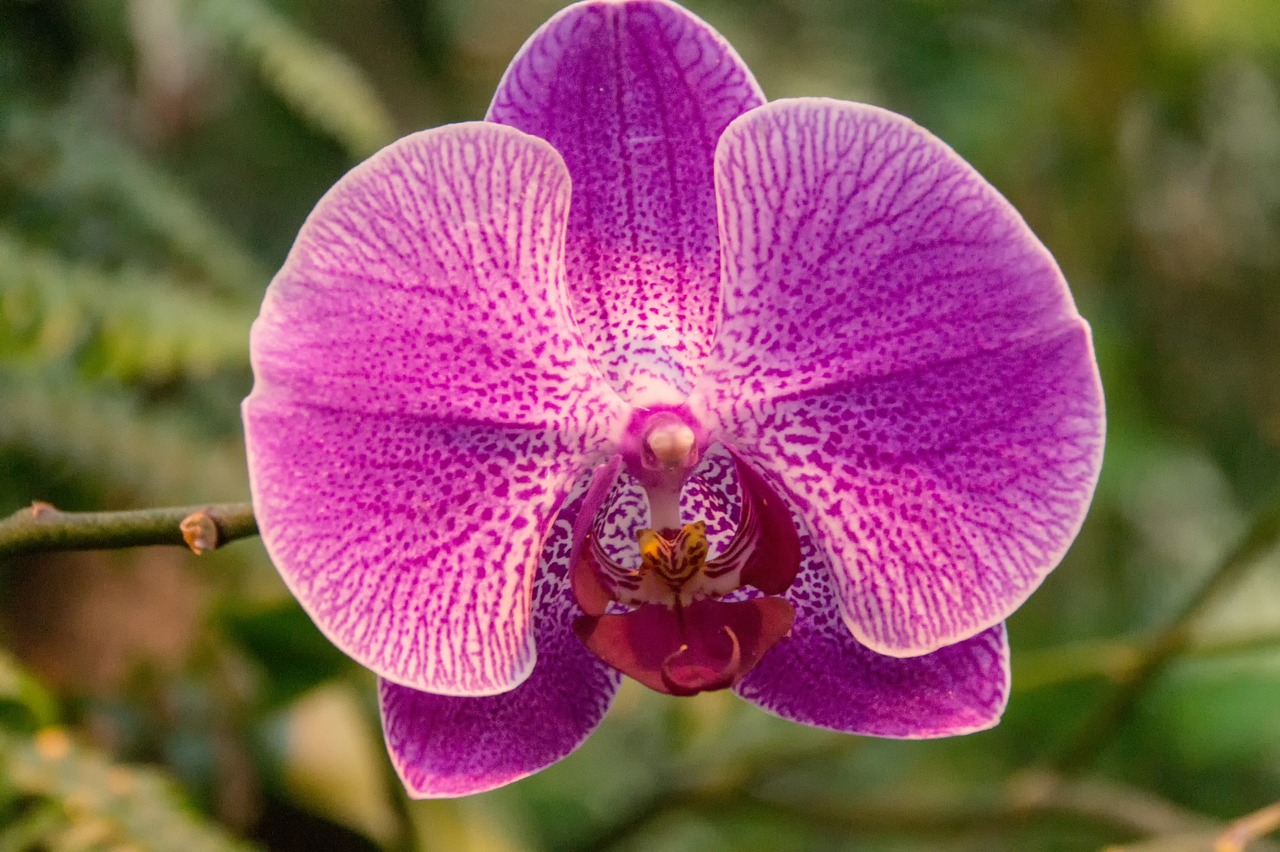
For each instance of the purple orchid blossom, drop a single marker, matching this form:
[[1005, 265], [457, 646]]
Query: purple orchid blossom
[[644, 376]]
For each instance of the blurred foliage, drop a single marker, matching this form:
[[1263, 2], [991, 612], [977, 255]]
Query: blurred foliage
[[156, 160]]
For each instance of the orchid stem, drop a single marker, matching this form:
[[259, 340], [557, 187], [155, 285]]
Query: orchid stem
[[1028, 799], [42, 528], [1118, 660], [1171, 641]]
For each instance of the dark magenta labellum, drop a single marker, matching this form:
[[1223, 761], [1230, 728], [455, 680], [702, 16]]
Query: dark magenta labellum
[[684, 650]]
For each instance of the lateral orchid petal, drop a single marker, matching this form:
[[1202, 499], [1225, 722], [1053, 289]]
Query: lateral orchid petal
[[634, 96], [903, 355], [422, 405]]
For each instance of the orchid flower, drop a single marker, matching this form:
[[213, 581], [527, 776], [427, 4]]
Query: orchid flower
[[644, 376]]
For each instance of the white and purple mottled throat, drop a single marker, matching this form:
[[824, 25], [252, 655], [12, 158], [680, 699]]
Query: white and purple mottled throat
[[681, 623]]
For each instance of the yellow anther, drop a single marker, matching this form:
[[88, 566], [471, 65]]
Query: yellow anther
[[692, 542], [654, 549], [676, 558]]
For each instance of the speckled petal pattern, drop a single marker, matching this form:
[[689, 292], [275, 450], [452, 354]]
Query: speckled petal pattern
[[857, 244], [422, 406], [902, 354], [449, 746], [820, 675], [634, 96], [713, 495]]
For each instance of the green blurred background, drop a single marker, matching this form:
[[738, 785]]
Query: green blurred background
[[157, 158]]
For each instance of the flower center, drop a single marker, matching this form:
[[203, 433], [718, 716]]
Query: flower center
[[673, 569], [668, 453], [668, 623], [675, 556]]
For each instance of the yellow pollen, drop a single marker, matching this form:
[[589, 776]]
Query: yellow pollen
[[676, 559]]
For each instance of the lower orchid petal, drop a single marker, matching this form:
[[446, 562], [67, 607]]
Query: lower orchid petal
[[445, 746], [707, 645], [820, 675]]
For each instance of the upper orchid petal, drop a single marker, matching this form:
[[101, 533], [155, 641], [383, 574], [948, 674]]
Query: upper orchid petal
[[446, 746], [634, 96], [422, 405], [903, 355], [820, 675]]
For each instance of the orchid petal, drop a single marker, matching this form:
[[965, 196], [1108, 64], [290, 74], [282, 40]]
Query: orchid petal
[[856, 244], [820, 675], [422, 406], [634, 95], [903, 356], [445, 746], [714, 495]]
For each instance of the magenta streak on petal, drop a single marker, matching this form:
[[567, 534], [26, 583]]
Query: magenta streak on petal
[[902, 355], [422, 404], [454, 746], [710, 645], [634, 95], [820, 675]]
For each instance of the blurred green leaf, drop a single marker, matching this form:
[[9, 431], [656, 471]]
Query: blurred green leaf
[[74, 163], [109, 803], [129, 325], [24, 702], [320, 83], [294, 656], [107, 434]]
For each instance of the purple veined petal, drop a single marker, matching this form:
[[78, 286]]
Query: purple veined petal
[[634, 95], [902, 354], [820, 675], [444, 746], [422, 404], [713, 495], [940, 497], [857, 244], [429, 281]]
